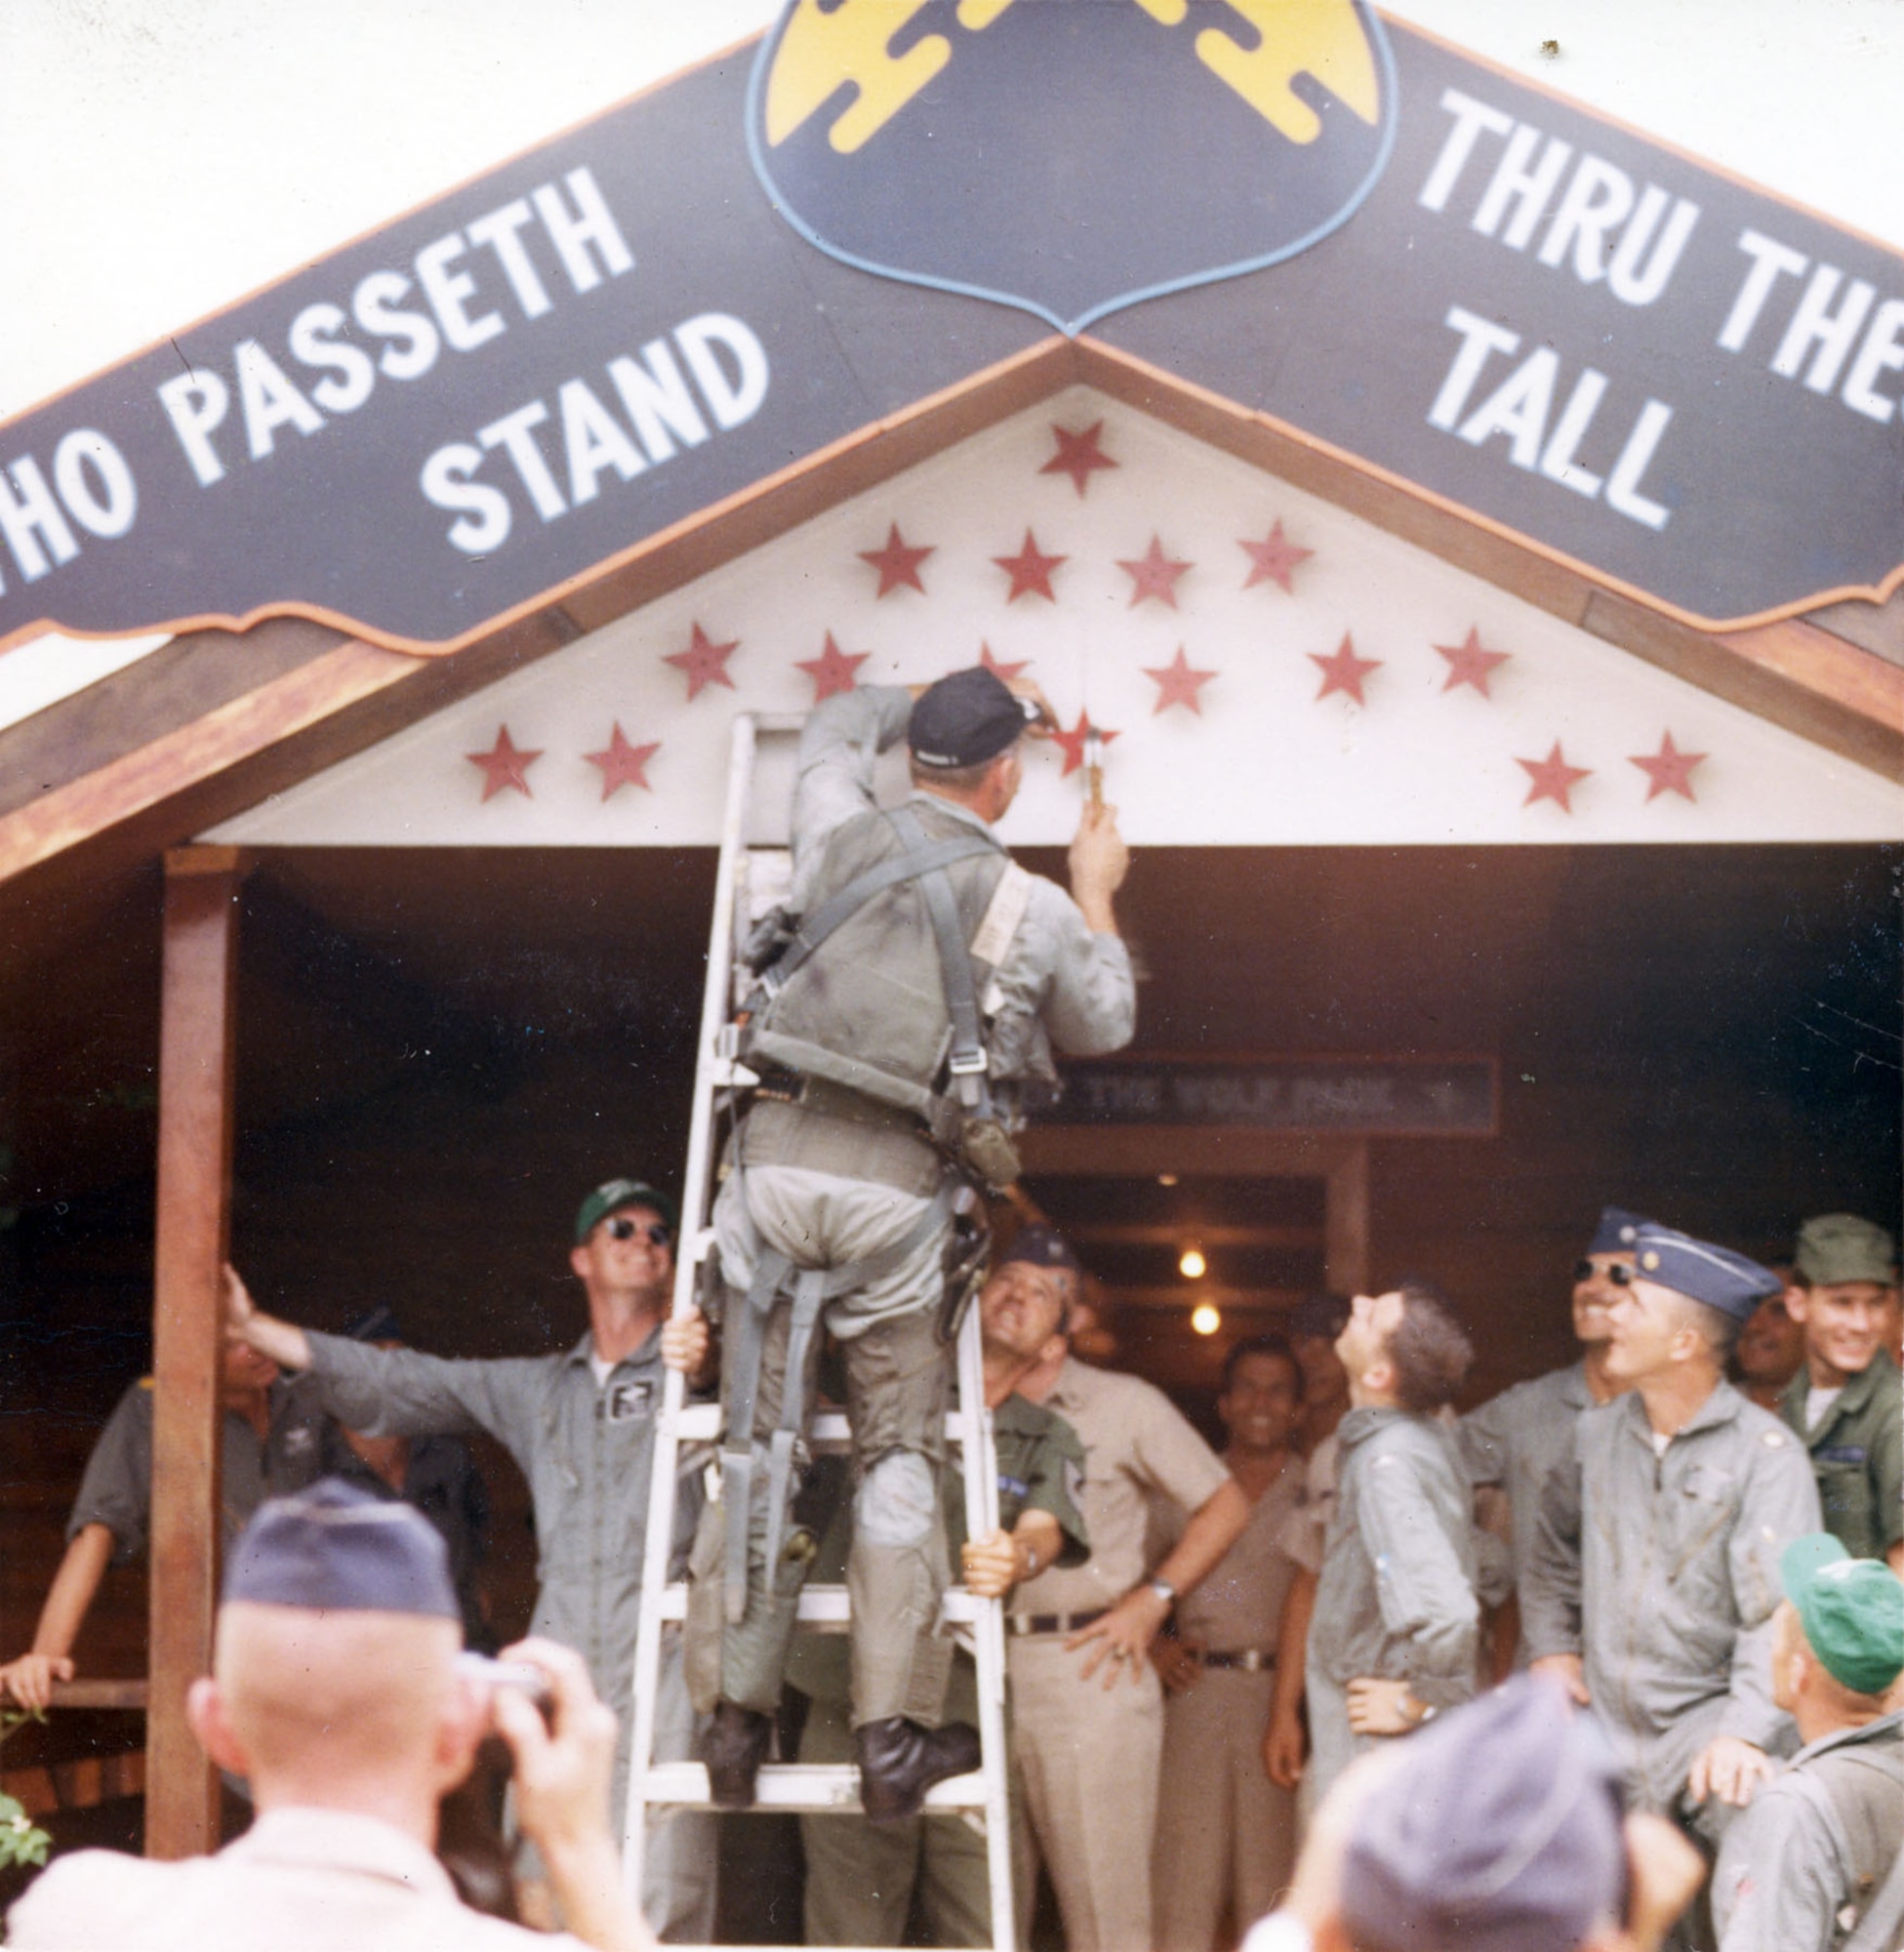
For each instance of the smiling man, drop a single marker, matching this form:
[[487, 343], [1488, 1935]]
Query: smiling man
[[1655, 1576], [1845, 1401]]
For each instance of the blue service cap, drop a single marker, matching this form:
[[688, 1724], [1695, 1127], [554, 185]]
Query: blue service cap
[[1043, 1246], [1617, 1231], [337, 1548], [966, 719], [1730, 1283], [1498, 1829]]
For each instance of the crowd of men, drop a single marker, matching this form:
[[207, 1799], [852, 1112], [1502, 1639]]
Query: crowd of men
[[1243, 1686]]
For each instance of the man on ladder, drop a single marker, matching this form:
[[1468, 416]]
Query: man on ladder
[[919, 991]]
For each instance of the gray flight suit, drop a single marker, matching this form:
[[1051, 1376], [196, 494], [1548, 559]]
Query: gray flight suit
[[1661, 1571], [1516, 1440], [858, 1183], [587, 1451], [1396, 1598], [301, 1446], [1813, 1844]]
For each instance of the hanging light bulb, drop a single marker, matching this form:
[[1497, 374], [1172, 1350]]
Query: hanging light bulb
[[1206, 1319], [1192, 1265]]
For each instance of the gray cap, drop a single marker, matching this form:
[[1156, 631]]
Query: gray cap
[[1498, 1830], [1841, 1248], [338, 1548]]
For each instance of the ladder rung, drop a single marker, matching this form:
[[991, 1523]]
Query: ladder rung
[[699, 1423], [820, 1786], [826, 1607]]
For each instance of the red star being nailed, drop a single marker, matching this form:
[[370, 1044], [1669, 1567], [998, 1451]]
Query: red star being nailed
[[1178, 684], [1004, 674], [621, 764], [1344, 672], [1072, 742], [1272, 559], [703, 663], [1669, 769], [1153, 574], [1030, 572], [833, 670], [504, 764], [898, 563], [1469, 663], [1551, 778], [1078, 455]]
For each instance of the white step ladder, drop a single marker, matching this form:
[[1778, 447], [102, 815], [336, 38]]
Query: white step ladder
[[753, 875]]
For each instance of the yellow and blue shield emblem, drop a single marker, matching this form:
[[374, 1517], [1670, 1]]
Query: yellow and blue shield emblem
[[1070, 156]]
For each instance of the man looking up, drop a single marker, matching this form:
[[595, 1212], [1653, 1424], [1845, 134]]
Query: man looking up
[[1845, 1402], [1655, 1573], [1088, 1746], [1518, 1438], [1393, 1638], [580, 1428], [1809, 1860], [893, 1034], [1226, 1832], [338, 1694]]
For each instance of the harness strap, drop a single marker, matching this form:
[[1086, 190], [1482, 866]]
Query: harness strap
[[921, 857], [966, 1061], [811, 1289]]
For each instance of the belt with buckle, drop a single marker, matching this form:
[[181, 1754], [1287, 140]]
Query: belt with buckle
[[1249, 1660], [1052, 1623]]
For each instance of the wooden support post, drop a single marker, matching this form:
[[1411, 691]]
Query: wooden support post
[[196, 1064], [1347, 1223]]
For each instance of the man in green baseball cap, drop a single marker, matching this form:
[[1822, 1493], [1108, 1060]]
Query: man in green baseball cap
[[1845, 1401], [1812, 1860]]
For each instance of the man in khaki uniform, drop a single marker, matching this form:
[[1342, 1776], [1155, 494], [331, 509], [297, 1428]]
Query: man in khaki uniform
[[1226, 1832], [1087, 1708], [1844, 1402]]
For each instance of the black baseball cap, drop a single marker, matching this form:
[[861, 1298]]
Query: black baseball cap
[[966, 719]]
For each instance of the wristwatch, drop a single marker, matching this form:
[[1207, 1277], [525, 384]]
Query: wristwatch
[[1164, 1591]]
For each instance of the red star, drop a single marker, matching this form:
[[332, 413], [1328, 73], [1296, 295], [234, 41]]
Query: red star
[[897, 563], [1551, 778], [504, 764], [1272, 559], [1078, 455], [621, 764], [1469, 663], [1344, 672], [1154, 575], [833, 670], [703, 663], [1030, 572], [1178, 684], [1669, 769], [1004, 674], [1072, 742]]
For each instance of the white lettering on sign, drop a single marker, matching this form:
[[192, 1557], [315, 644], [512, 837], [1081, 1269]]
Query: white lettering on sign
[[729, 368], [1605, 227], [1521, 408], [91, 483], [403, 342], [1824, 327]]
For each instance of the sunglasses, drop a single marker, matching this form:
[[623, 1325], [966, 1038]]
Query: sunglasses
[[1618, 1273], [624, 1229]]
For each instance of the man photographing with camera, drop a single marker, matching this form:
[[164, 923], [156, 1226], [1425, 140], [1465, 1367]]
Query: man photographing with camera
[[339, 1695]]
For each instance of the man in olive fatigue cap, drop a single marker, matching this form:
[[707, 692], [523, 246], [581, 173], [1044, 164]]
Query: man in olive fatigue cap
[[1814, 1856], [1845, 1401]]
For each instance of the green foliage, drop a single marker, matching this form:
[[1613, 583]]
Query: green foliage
[[21, 1840]]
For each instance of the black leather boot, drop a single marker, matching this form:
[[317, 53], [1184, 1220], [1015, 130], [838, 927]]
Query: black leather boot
[[734, 1748], [898, 1761]]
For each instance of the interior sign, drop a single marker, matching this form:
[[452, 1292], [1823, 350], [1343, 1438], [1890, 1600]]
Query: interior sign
[[1623, 359]]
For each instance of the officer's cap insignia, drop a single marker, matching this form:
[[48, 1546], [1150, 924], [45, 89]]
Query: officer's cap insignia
[[1070, 156]]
